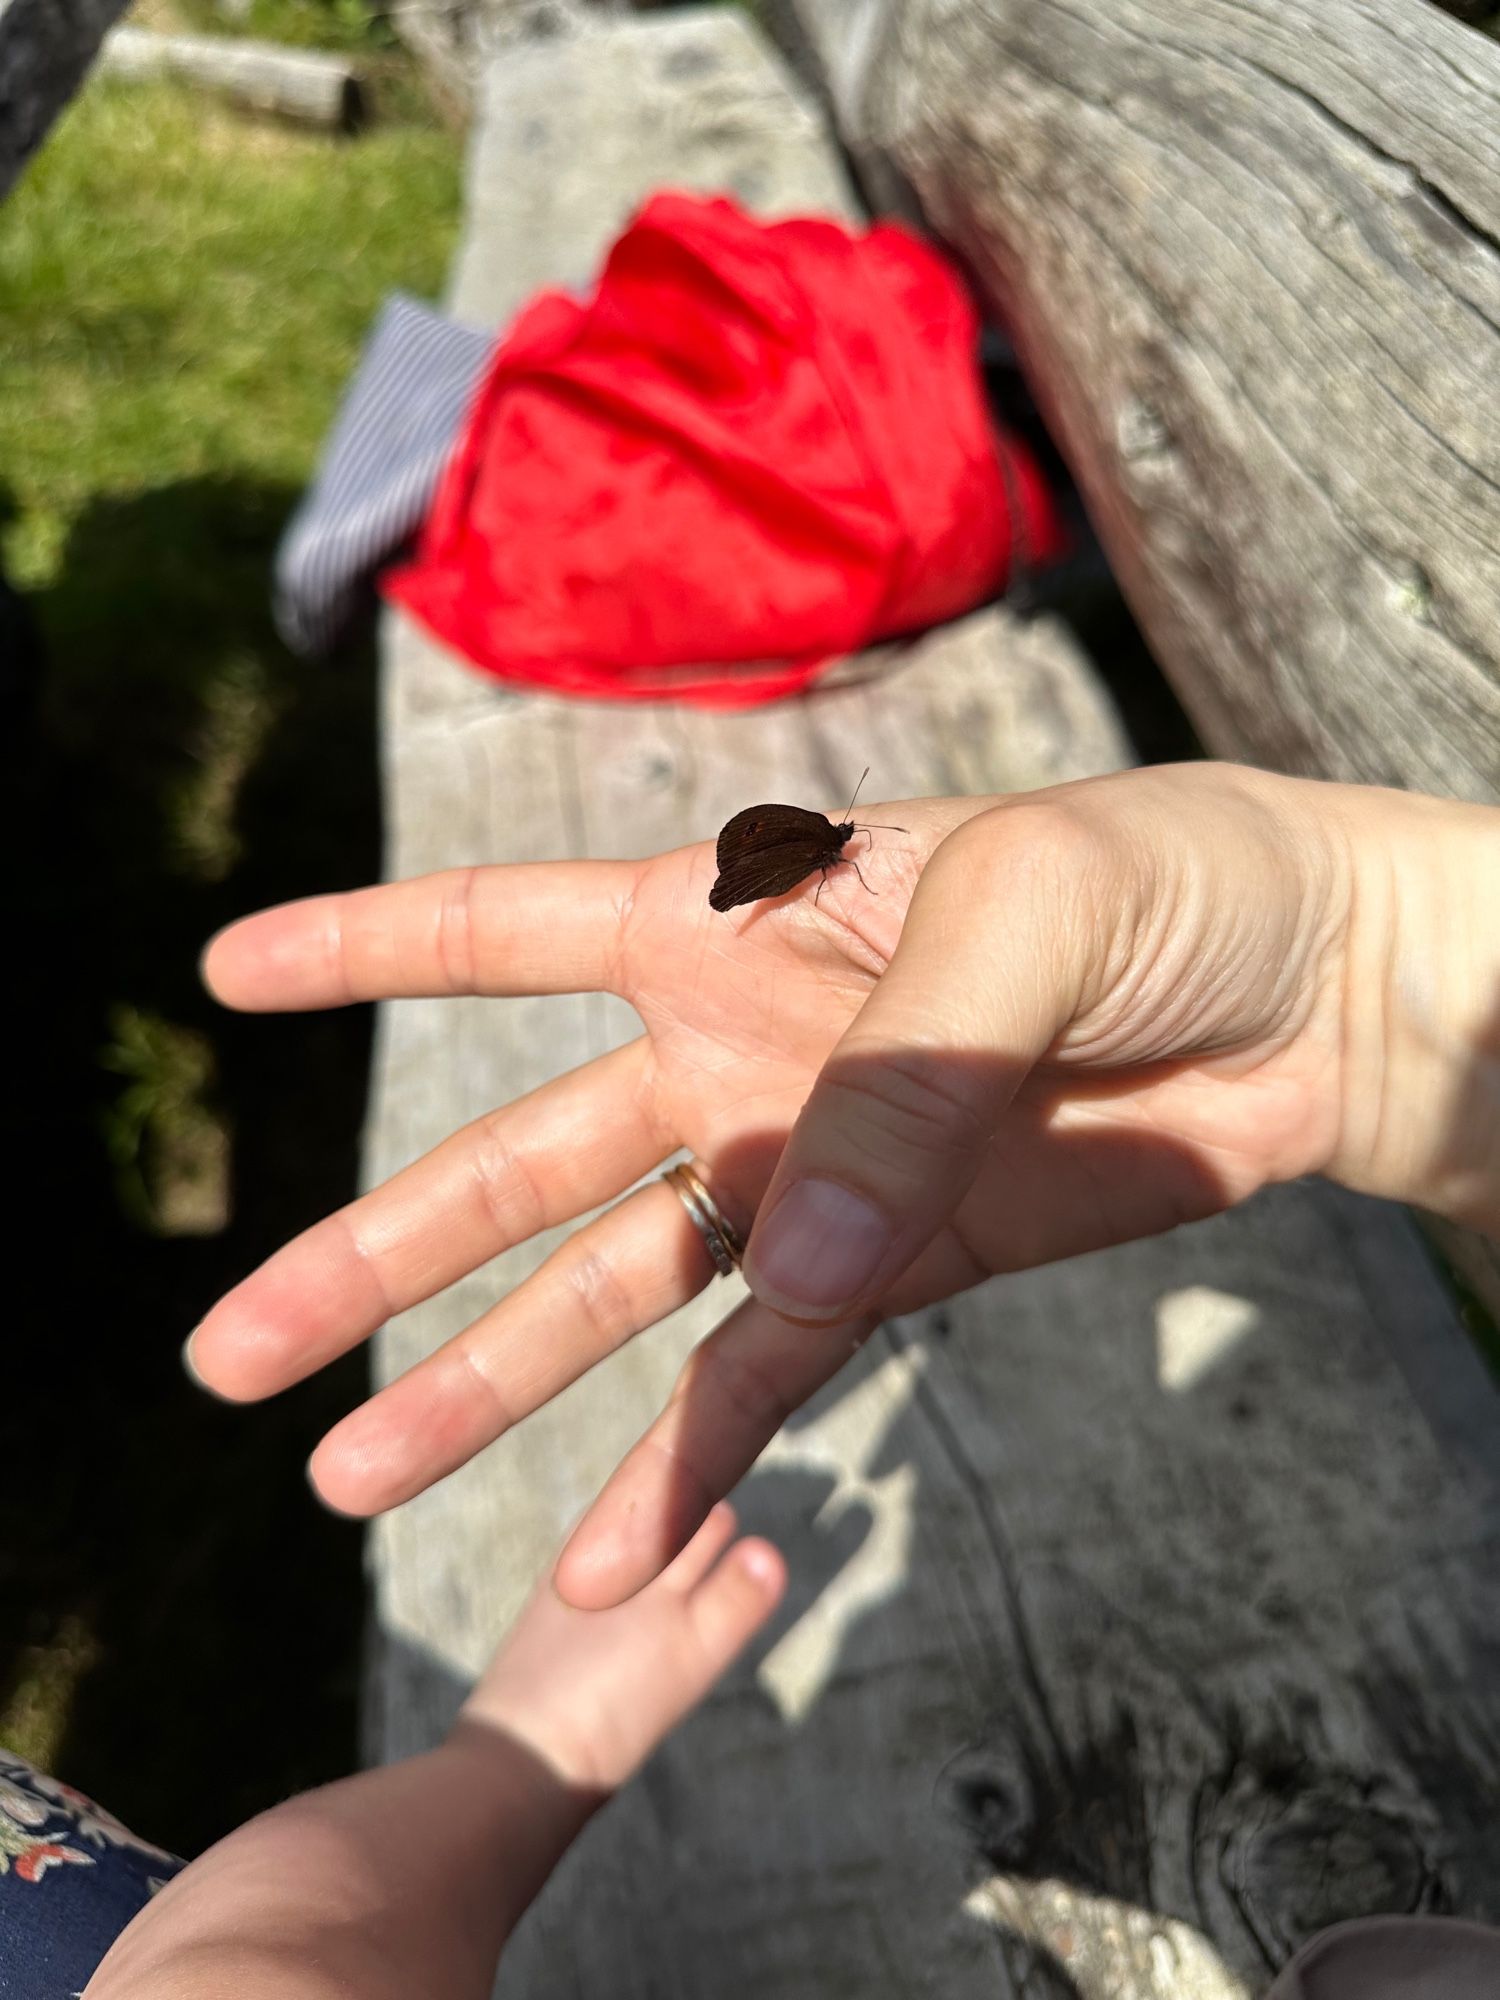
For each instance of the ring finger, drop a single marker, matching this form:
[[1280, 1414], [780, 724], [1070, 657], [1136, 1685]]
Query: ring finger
[[609, 1281]]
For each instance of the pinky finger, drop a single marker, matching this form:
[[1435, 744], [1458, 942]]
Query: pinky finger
[[736, 1390]]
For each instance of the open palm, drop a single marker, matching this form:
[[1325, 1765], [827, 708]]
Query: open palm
[[1135, 1095]]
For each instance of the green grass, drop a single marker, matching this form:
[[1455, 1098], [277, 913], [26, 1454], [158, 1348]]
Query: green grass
[[183, 292], [353, 25]]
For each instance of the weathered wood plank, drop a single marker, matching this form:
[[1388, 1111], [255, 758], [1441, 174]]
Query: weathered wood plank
[[1250, 252], [456, 41], [567, 131], [300, 85], [1128, 1595]]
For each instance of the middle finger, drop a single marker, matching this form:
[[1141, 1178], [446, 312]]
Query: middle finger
[[609, 1281], [551, 1155]]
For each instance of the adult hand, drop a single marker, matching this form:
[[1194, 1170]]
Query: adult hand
[[1067, 1019]]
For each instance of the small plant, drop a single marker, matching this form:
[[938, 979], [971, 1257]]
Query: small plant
[[170, 1152]]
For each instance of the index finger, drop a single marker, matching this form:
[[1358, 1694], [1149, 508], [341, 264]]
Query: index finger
[[734, 1393], [528, 927]]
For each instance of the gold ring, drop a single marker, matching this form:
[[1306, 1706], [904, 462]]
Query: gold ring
[[720, 1237]]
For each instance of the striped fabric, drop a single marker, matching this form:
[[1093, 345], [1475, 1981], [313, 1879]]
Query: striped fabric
[[380, 467]]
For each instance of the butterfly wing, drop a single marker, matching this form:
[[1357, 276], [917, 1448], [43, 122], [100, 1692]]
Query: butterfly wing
[[767, 850]]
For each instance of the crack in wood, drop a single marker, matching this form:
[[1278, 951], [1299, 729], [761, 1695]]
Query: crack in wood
[[1472, 229], [986, 1513]]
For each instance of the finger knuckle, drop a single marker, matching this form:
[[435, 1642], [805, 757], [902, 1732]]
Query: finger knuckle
[[455, 932], [718, 1372], [1049, 838], [509, 1194], [624, 948], [601, 1299], [484, 1384], [910, 1100]]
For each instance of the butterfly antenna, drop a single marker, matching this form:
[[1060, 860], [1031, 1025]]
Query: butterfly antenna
[[877, 825]]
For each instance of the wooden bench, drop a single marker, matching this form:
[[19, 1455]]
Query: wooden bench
[[1143, 1614]]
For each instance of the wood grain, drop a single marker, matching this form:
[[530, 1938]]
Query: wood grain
[[1250, 254]]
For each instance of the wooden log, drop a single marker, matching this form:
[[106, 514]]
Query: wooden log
[[1139, 1605], [1481, 13], [46, 47], [1250, 254], [296, 84]]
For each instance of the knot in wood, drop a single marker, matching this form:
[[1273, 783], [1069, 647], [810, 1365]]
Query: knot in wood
[[1141, 432], [988, 1789], [1080, 1817], [649, 770], [1300, 1848], [1410, 592]]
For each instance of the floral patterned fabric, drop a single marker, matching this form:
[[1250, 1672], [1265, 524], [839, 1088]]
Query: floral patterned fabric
[[71, 1879]]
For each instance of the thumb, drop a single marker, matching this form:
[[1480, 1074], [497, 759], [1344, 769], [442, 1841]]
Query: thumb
[[906, 1106]]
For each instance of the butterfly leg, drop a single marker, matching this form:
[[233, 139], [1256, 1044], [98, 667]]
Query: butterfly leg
[[862, 882]]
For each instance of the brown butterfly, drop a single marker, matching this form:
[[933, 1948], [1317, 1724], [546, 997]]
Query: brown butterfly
[[767, 850]]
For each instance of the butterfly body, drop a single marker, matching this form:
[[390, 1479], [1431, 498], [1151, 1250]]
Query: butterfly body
[[767, 850]]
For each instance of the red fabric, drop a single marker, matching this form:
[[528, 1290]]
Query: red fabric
[[758, 447]]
